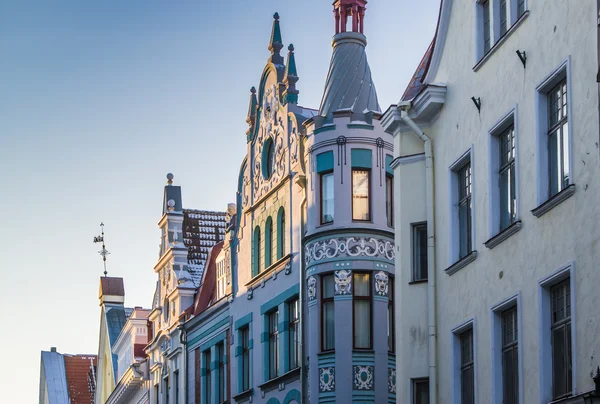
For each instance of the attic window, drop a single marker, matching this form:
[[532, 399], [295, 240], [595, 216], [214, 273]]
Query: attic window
[[268, 158]]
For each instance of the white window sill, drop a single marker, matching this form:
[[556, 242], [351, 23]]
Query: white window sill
[[500, 41], [503, 235], [461, 263], [554, 201]]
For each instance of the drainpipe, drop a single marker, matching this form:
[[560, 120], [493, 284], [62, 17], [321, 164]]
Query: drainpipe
[[431, 286]]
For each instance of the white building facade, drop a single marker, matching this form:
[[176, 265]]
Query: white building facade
[[496, 207]]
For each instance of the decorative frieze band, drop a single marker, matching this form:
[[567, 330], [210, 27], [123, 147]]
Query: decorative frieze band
[[343, 247]]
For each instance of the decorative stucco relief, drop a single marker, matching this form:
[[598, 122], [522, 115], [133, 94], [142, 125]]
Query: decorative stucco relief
[[363, 377], [381, 283], [343, 282], [392, 380], [349, 247], [326, 379], [311, 288]]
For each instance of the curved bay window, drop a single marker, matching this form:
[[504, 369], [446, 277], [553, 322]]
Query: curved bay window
[[361, 310], [327, 313]]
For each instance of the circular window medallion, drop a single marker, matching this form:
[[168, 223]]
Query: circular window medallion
[[268, 158]]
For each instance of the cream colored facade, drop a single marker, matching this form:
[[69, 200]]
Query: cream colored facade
[[558, 38]]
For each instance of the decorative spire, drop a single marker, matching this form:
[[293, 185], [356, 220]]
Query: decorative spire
[[354, 9], [276, 43], [103, 252], [251, 118], [291, 78]]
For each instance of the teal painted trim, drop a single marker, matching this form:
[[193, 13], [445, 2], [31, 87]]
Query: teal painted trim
[[362, 158], [282, 297], [283, 328], [214, 365], [264, 336], [388, 162], [211, 330], [243, 321], [380, 298], [364, 359], [225, 359], [360, 126], [256, 251], [273, 400], [342, 297], [238, 351], [292, 395], [202, 372], [213, 341], [251, 344], [325, 161], [325, 128], [280, 232], [312, 303], [265, 348]]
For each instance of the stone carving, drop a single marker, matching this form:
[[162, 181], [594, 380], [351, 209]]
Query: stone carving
[[326, 379], [381, 283], [343, 282], [363, 377], [311, 288], [349, 247], [392, 380]]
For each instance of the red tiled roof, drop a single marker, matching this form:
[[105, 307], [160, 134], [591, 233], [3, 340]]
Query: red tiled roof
[[206, 291], [81, 373]]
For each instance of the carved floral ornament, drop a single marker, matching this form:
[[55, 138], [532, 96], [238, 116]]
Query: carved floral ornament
[[349, 247], [363, 377], [327, 379]]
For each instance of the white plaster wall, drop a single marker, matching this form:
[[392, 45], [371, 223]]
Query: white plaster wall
[[553, 32]]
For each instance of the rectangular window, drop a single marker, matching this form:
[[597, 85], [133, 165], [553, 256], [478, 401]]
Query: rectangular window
[[221, 361], [327, 197], [294, 333], [176, 385], [327, 313], [197, 379], [558, 139], [389, 200], [503, 17], [273, 344], [560, 295], [419, 254], [208, 394], [420, 391], [156, 394], [507, 175], [361, 207], [361, 303], [487, 28], [245, 341], [520, 8], [390, 318], [510, 356], [166, 387], [464, 210], [467, 368]]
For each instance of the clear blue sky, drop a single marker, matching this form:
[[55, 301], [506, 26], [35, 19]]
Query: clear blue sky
[[99, 100]]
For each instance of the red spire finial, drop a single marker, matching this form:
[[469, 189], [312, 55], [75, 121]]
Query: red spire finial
[[343, 9]]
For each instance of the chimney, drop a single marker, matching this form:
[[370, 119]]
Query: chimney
[[53, 349]]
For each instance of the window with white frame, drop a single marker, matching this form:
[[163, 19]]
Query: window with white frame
[[467, 367], [461, 226], [505, 352], [419, 251], [557, 332], [554, 135], [221, 278], [503, 175], [493, 19]]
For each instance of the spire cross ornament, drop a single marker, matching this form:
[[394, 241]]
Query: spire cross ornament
[[103, 252]]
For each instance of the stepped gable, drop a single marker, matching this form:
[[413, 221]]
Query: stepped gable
[[202, 229], [81, 377]]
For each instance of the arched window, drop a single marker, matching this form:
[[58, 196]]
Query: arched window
[[268, 158], [280, 233], [256, 252], [269, 242]]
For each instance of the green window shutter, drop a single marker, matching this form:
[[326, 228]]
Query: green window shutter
[[325, 162], [361, 158], [280, 232], [268, 242], [388, 162]]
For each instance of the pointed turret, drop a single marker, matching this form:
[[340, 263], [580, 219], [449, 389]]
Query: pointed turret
[[251, 118], [276, 43], [291, 78], [349, 85]]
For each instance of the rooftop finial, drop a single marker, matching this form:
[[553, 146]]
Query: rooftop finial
[[276, 43], [342, 9], [291, 77], [251, 117], [103, 252], [170, 179]]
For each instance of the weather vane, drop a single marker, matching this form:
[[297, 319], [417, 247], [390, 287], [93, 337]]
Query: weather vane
[[103, 252]]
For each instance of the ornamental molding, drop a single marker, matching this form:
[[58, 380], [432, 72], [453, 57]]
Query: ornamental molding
[[344, 247], [343, 282], [381, 283], [363, 377], [311, 288], [392, 380], [326, 379]]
